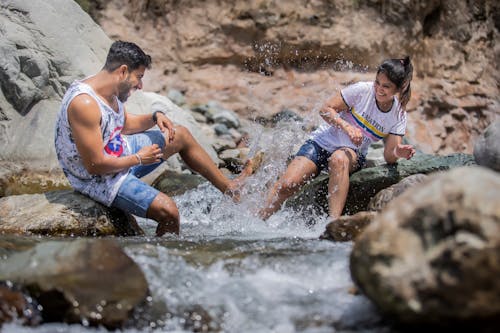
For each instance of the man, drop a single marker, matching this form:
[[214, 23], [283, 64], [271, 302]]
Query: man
[[103, 150]]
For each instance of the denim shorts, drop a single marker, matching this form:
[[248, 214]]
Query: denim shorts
[[319, 156], [135, 196]]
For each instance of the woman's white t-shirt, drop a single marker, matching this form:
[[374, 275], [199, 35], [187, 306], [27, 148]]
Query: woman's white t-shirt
[[364, 114]]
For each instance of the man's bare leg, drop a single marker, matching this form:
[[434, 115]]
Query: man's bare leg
[[341, 164], [198, 160], [164, 211], [300, 170]]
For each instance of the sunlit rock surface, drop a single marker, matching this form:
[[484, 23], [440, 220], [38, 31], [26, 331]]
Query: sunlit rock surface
[[62, 213]]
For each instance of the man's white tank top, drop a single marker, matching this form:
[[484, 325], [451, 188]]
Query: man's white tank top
[[102, 188]]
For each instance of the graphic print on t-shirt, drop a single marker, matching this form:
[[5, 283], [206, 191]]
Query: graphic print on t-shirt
[[114, 146]]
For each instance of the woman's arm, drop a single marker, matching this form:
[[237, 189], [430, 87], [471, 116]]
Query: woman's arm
[[330, 113], [394, 149]]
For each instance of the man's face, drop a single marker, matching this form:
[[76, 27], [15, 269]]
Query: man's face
[[132, 82]]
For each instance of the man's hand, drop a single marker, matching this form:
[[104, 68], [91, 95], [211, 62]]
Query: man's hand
[[404, 151], [150, 154], [166, 126]]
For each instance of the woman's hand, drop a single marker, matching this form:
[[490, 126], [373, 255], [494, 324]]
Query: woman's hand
[[404, 151], [150, 154], [166, 126], [354, 134]]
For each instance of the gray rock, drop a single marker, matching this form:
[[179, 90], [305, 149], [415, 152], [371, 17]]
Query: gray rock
[[62, 213], [39, 45], [487, 147], [227, 117], [382, 198], [431, 256], [176, 96], [82, 280], [45, 46], [221, 129]]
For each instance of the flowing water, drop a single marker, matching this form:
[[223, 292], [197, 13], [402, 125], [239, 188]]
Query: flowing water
[[229, 271]]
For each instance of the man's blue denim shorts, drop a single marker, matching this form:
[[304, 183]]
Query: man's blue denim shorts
[[134, 196], [319, 156]]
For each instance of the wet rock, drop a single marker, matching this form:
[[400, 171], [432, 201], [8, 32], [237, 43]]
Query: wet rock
[[17, 305], [432, 255], [487, 148], [62, 213], [364, 184], [382, 198], [286, 115], [84, 280], [234, 158], [348, 227]]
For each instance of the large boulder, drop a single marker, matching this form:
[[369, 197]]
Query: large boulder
[[432, 256], [82, 281], [487, 148], [45, 46], [62, 213]]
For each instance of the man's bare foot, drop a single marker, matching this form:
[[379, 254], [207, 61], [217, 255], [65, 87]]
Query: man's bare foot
[[252, 164]]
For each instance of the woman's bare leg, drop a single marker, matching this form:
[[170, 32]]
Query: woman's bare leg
[[341, 164], [300, 170]]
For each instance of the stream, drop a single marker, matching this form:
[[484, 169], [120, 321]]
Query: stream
[[229, 271]]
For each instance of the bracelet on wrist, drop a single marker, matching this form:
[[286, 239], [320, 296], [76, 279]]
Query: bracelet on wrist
[[154, 116], [138, 158]]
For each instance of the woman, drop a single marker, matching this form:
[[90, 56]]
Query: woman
[[361, 114]]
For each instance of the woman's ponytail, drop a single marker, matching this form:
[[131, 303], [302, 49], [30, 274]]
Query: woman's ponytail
[[405, 94]]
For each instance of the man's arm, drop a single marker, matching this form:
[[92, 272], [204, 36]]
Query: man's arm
[[139, 123], [84, 118], [393, 149]]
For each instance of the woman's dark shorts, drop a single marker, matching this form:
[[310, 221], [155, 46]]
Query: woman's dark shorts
[[319, 156]]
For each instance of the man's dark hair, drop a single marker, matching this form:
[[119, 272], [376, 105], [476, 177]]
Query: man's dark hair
[[126, 53]]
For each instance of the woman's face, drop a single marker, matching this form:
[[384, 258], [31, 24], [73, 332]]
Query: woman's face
[[384, 89]]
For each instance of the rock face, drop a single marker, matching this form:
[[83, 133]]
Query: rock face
[[244, 53], [62, 213], [487, 148], [39, 45], [83, 280], [432, 255], [44, 47]]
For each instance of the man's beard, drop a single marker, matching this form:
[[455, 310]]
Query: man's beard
[[123, 90]]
